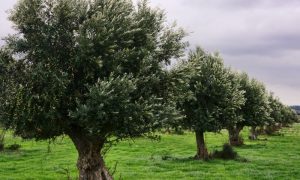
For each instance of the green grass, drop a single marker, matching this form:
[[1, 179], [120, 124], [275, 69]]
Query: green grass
[[278, 157]]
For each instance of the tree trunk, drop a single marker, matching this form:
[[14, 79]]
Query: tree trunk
[[90, 163], [253, 133], [2, 135], [234, 136], [202, 152]]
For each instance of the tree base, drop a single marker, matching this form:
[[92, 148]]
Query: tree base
[[205, 158], [90, 162], [99, 175]]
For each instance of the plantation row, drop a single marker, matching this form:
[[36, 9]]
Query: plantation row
[[215, 97], [96, 72]]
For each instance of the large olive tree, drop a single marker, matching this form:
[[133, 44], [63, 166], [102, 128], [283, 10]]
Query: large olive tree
[[212, 96], [92, 70]]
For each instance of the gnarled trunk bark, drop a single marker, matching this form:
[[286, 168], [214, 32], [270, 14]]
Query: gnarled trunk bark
[[90, 163], [234, 136], [202, 152]]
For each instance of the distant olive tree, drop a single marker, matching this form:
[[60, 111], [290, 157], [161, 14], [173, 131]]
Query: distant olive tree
[[280, 115], [210, 98], [92, 70], [289, 116]]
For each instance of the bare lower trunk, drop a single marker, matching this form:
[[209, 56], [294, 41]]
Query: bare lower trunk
[[91, 166], [234, 136], [202, 152], [90, 163], [253, 133]]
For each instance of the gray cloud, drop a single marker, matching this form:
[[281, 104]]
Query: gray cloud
[[261, 37], [5, 25], [269, 45], [240, 4]]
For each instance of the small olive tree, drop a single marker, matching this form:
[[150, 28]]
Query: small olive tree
[[92, 70], [276, 115], [211, 96]]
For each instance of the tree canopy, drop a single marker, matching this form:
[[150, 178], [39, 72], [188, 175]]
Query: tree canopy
[[256, 110]]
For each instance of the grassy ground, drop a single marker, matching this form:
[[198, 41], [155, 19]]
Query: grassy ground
[[277, 157]]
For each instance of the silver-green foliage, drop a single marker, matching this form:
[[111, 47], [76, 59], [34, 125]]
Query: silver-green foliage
[[256, 110], [212, 93]]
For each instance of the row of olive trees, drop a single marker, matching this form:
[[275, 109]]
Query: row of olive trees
[[95, 71], [212, 97]]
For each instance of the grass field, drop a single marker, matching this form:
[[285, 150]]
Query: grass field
[[276, 157]]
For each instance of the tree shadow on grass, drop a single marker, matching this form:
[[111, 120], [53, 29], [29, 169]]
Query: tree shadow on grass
[[178, 159], [252, 146], [191, 159]]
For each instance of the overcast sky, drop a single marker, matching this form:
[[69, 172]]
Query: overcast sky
[[261, 37]]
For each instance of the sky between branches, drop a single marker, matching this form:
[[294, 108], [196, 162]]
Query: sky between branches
[[261, 37]]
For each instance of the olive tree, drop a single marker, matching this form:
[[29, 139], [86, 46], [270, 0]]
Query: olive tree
[[259, 112], [280, 115], [276, 115], [211, 96], [91, 70], [256, 110], [289, 116]]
